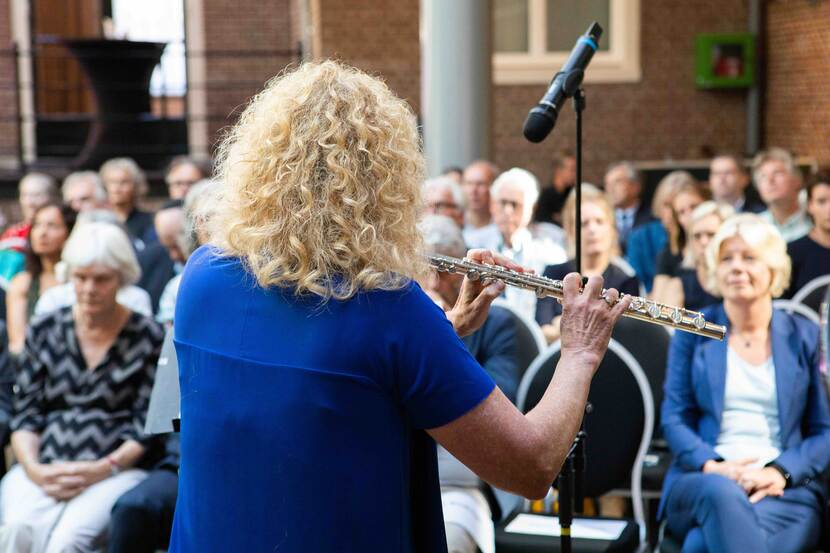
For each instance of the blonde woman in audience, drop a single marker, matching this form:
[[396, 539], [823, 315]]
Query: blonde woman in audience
[[746, 418], [688, 195], [51, 225], [83, 384], [648, 240], [687, 288], [600, 254]]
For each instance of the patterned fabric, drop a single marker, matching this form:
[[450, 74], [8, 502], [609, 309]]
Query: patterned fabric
[[81, 413]]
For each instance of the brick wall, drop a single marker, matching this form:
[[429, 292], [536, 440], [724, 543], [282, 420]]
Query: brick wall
[[234, 31], [797, 104], [8, 111], [663, 116], [378, 36]]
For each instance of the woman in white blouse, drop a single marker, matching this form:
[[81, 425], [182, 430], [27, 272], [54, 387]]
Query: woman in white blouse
[[747, 419]]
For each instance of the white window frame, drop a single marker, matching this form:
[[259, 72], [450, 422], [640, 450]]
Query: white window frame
[[619, 64]]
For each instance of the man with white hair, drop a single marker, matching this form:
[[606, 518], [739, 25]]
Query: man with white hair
[[512, 200], [467, 515], [779, 183], [443, 196], [84, 191]]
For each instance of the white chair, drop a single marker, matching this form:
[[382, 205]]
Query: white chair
[[793, 307], [812, 293]]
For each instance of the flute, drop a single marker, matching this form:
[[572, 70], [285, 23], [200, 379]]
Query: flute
[[640, 308]]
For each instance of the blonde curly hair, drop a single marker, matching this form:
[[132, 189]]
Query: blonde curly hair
[[322, 185]]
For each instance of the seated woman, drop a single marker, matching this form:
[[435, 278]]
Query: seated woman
[[83, 387], [647, 241], [51, 225], [687, 289], [688, 196], [747, 419], [599, 252]]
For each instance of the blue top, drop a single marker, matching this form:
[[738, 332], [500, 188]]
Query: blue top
[[694, 392], [300, 426], [644, 245]]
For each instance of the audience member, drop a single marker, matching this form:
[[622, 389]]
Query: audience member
[[126, 184], [455, 173], [199, 207], [63, 295], [747, 419], [467, 516], [687, 288], [624, 187], [84, 191], [779, 182], [811, 254], [552, 198], [687, 197], [83, 388], [476, 182], [443, 196], [513, 198], [728, 180], [600, 248], [647, 241], [51, 225], [7, 377], [34, 191], [162, 260], [182, 173]]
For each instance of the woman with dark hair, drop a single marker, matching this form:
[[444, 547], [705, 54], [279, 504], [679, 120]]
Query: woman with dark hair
[[51, 225]]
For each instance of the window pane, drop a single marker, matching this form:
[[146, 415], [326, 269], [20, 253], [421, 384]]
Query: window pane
[[510, 25], [568, 19]]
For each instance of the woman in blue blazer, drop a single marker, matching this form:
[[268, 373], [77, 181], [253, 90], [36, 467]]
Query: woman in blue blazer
[[747, 419]]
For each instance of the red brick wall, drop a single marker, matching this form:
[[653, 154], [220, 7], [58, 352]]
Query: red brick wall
[[662, 116], [378, 36], [797, 104], [233, 30], [8, 106]]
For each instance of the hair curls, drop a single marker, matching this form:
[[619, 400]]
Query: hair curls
[[321, 185]]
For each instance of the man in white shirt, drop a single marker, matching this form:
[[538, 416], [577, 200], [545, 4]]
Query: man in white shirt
[[779, 183], [512, 199]]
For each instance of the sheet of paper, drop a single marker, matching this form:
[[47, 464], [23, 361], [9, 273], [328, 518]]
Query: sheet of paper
[[583, 528]]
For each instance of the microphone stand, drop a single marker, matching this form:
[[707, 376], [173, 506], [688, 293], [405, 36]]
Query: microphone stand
[[571, 477]]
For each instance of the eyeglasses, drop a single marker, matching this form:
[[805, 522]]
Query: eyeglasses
[[504, 204], [441, 206]]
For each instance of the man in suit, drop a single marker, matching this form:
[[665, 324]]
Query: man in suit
[[729, 180], [624, 188]]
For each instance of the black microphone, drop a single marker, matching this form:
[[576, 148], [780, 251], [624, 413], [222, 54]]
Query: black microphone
[[542, 117]]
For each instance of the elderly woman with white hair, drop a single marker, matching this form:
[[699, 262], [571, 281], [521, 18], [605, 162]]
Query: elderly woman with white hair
[[83, 387], [126, 185], [747, 419]]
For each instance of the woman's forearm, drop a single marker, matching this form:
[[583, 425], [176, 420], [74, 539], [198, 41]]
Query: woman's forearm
[[127, 454], [26, 448]]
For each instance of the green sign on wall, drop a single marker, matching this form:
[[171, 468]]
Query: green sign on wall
[[724, 60]]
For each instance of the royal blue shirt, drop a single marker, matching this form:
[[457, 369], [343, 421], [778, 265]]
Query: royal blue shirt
[[302, 423]]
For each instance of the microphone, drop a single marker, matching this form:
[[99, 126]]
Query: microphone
[[542, 117]]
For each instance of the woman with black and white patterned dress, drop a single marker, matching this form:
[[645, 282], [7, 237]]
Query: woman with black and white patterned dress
[[81, 398]]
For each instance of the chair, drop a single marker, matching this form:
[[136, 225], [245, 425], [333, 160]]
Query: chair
[[619, 431], [795, 308], [813, 293], [530, 340]]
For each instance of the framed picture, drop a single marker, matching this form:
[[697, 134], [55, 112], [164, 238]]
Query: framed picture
[[724, 60]]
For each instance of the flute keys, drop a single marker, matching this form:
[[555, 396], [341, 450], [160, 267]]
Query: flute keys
[[699, 322], [637, 303], [654, 311], [677, 316], [472, 274]]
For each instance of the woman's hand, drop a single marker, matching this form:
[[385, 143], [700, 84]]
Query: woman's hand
[[473, 304], [762, 482], [65, 480], [588, 319], [733, 470]]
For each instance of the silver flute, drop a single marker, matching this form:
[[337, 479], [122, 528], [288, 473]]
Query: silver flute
[[640, 308]]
